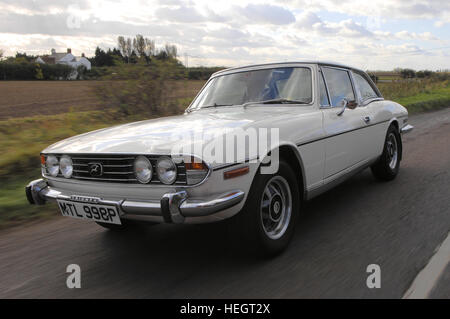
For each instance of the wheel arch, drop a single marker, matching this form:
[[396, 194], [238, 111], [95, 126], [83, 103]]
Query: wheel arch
[[290, 153], [394, 122]]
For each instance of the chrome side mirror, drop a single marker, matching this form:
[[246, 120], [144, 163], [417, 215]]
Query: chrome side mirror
[[343, 103]]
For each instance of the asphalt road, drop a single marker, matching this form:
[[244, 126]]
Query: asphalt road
[[397, 225]]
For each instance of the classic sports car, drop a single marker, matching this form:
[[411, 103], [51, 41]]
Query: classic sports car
[[326, 122]]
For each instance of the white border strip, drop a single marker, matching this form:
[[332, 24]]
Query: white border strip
[[428, 277]]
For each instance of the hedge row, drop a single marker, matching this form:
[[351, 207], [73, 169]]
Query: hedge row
[[202, 73], [34, 71]]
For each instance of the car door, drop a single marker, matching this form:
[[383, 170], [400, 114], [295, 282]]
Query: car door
[[345, 142], [371, 101]]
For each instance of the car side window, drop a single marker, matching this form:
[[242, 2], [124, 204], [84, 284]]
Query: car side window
[[323, 91], [365, 89], [339, 85]]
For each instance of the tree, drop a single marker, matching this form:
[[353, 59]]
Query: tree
[[149, 47], [129, 49], [171, 51], [139, 45], [102, 58], [408, 73], [125, 47], [39, 75], [122, 44], [23, 57], [1, 53]]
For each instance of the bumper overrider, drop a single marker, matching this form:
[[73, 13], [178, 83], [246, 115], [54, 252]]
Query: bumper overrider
[[173, 207], [406, 129]]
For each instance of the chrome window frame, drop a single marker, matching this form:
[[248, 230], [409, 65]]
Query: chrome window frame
[[367, 101], [321, 75], [349, 73], [265, 67]]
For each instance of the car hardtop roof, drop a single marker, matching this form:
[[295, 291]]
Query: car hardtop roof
[[324, 63]]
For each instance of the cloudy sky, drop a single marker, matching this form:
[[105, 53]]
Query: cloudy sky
[[375, 34]]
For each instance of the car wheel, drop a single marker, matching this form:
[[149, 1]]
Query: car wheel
[[267, 220], [387, 167]]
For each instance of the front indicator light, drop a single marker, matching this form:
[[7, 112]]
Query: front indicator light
[[195, 171], [236, 172]]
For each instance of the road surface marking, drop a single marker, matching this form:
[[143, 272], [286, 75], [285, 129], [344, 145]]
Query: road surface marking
[[429, 276]]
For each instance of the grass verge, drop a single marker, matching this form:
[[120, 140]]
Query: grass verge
[[15, 209], [427, 101]]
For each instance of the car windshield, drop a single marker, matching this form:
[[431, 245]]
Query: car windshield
[[283, 85]]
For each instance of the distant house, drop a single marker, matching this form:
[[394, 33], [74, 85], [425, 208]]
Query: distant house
[[66, 58]]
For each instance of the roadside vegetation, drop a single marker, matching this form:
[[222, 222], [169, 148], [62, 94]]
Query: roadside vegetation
[[419, 95], [132, 82]]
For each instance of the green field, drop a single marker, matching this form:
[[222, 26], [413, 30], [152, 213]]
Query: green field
[[22, 138]]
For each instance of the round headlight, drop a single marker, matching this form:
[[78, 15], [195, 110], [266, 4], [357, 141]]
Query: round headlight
[[167, 170], [66, 166], [143, 169], [52, 165]]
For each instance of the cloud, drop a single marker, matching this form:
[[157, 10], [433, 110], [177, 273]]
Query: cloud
[[440, 24], [398, 9], [180, 14], [309, 21], [40, 6], [266, 14], [427, 36], [60, 24]]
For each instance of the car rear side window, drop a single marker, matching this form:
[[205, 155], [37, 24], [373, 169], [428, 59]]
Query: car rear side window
[[365, 89], [339, 85]]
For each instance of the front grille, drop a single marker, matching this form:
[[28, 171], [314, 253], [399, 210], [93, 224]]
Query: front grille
[[116, 168]]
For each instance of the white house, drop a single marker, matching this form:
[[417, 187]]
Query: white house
[[65, 58]]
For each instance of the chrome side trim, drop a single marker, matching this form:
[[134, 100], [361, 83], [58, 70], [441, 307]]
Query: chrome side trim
[[406, 129], [338, 178]]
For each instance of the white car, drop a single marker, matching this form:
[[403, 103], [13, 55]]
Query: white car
[[326, 122]]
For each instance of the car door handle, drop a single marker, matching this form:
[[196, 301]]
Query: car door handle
[[366, 119]]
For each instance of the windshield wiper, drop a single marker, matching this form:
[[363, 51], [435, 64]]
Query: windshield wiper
[[215, 105], [208, 106], [276, 101]]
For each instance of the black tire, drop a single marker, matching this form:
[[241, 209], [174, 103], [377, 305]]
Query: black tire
[[384, 169], [250, 221]]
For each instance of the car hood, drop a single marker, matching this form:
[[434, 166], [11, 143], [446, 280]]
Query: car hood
[[164, 135]]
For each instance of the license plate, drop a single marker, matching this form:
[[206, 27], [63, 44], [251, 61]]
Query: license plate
[[99, 213]]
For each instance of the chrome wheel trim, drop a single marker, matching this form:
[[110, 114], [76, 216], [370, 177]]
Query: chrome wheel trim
[[392, 150], [276, 207]]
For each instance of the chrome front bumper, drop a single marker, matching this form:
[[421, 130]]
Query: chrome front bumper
[[171, 208]]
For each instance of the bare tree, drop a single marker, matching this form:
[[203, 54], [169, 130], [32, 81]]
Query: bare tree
[[139, 45], [171, 51], [129, 48], [122, 44], [150, 48]]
